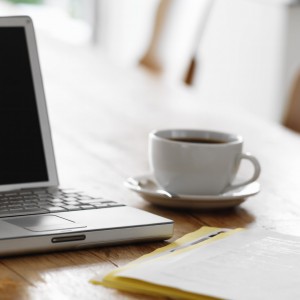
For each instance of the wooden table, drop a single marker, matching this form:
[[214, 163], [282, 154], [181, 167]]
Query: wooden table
[[101, 116]]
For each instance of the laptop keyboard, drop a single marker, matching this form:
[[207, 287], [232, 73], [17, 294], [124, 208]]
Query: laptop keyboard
[[39, 201]]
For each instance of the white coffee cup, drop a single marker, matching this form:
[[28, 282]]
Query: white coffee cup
[[197, 162]]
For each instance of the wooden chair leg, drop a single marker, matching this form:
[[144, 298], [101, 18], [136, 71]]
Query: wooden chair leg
[[292, 117], [150, 60]]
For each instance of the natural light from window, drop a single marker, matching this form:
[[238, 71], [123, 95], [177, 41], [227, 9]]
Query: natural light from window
[[67, 20]]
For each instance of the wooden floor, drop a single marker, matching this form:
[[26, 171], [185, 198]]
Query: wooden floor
[[101, 116]]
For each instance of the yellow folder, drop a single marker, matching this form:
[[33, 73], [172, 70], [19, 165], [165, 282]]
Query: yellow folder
[[186, 243]]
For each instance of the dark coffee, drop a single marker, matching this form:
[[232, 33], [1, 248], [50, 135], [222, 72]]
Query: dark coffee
[[196, 140]]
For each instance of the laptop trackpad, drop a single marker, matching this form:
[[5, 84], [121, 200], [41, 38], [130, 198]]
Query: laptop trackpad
[[43, 223]]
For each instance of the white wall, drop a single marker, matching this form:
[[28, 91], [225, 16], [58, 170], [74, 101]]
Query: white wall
[[249, 54]]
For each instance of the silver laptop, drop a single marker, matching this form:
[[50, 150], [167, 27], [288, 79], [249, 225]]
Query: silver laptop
[[36, 215]]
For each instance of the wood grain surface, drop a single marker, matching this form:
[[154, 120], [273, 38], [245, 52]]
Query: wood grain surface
[[101, 116]]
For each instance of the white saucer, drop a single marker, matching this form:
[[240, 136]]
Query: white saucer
[[148, 189]]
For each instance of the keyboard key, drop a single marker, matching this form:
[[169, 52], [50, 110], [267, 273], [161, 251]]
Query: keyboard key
[[87, 206], [30, 206], [10, 194], [56, 200], [72, 203], [15, 207], [15, 198], [30, 197], [72, 207], [25, 193], [15, 202], [84, 197], [56, 209], [100, 205], [70, 199], [71, 195], [92, 201], [30, 202]]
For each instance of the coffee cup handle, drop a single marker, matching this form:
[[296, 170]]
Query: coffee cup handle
[[256, 173]]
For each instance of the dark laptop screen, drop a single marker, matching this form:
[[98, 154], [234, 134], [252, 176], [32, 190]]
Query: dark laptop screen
[[22, 158]]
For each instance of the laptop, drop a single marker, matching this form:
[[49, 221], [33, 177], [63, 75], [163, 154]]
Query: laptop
[[36, 215]]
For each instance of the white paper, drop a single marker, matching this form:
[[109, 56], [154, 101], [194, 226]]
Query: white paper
[[246, 265]]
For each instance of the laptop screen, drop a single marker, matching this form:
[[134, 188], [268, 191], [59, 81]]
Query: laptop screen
[[22, 157]]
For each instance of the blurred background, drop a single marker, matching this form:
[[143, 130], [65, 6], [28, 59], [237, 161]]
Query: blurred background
[[244, 53]]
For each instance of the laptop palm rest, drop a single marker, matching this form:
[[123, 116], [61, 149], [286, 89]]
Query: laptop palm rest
[[43, 223]]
